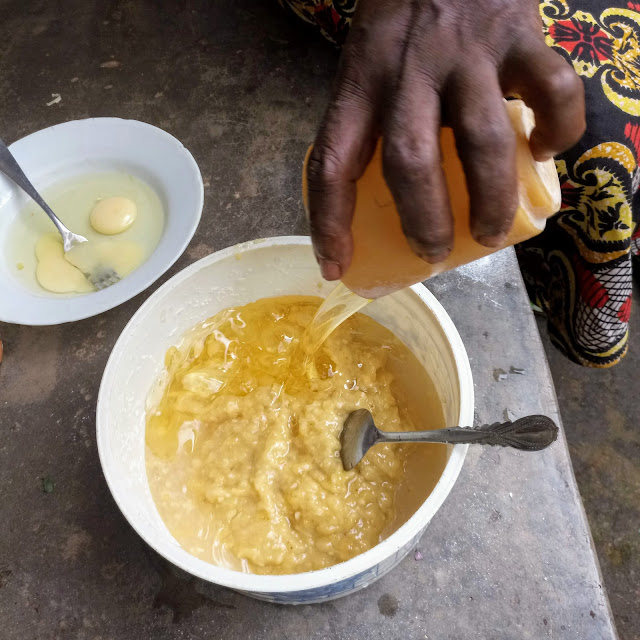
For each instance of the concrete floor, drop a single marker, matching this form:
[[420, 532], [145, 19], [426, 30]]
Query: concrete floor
[[600, 411], [158, 75]]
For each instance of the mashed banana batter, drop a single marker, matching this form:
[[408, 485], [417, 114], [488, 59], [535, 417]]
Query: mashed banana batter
[[243, 444]]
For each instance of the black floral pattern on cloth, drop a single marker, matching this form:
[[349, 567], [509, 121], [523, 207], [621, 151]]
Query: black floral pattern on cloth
[[579, 270]]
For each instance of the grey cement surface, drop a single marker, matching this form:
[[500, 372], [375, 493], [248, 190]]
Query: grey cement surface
[[508, 556], [600, 410]]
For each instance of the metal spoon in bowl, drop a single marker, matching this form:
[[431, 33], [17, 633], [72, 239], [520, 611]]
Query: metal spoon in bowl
[[359, 434], [101, 277]]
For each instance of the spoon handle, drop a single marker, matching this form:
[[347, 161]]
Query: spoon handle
[[531, 433], [10, 167]]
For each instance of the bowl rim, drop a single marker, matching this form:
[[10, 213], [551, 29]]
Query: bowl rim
[[288, 583], [110, 298]]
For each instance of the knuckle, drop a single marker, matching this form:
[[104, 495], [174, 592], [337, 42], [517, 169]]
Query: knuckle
[[562, 84], [325, 167], [484, 135], [406, 159]]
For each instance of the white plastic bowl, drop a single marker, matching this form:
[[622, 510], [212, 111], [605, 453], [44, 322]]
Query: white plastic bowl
[[89, 146], [237, 276]]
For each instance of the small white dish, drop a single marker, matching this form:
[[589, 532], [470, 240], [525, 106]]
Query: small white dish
[[96, 145]]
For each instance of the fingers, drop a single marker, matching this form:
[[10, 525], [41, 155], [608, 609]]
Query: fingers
[[411, 52], [553, 90], [343, 147], [411, 160], [486, 146], [347, 138]]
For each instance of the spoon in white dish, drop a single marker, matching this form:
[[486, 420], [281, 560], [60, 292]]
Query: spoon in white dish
[[359, 434], [100, 277]]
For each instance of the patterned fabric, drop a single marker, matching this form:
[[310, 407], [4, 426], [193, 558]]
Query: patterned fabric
[[579, 270], [332, 17]]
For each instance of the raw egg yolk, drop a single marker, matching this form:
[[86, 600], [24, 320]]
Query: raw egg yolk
[[113, 215]]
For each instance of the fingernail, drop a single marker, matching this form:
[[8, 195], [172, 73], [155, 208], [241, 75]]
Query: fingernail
[[492, 241], [330, 270], [432, 256]]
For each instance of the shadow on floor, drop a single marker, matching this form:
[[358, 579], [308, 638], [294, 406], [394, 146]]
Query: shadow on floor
[[601, 416]]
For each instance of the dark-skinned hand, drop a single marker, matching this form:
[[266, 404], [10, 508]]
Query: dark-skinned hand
[[407, 68]]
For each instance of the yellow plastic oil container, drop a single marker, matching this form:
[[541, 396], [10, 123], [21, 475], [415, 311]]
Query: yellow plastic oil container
[[383, 261]]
